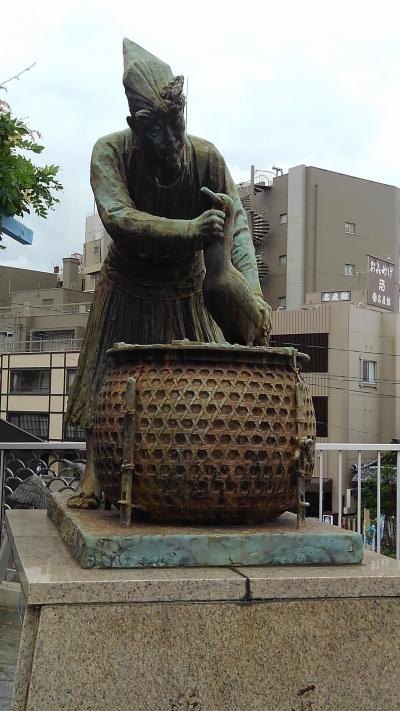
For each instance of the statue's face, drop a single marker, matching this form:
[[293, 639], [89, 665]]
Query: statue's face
[[162, 135]]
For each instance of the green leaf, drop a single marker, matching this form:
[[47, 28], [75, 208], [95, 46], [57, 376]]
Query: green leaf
[[23, 185]]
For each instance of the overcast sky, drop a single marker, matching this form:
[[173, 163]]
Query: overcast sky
[[270, 83]]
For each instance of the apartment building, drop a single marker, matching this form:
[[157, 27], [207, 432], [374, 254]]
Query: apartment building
[[319, 228], [34, 392], [353, 374], [42, 324]]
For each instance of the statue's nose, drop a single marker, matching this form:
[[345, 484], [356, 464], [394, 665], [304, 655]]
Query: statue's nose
[[168, 135]]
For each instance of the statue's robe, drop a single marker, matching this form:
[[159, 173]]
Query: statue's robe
[[150, 286]]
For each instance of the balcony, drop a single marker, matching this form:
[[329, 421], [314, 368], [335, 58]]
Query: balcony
[[41, 346]]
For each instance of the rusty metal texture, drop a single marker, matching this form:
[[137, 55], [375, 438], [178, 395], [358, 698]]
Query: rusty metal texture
[[217, 435], [128, 462]]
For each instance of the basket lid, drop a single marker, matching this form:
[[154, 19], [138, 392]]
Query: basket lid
[[186, 350]]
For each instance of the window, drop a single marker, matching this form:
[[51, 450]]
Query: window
[[349, 269], [74, 433], [96, 250], [30, 381], [283, 218], [320, 403], [349, 228], [282, 260], [369, 368], [47, 302], [314, 344], [69, 378], [282, 302], [36, 423]]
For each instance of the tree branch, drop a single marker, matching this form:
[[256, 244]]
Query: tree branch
[[17, 76]]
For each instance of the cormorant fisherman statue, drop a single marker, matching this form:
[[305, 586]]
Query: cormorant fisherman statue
[[181, 264]]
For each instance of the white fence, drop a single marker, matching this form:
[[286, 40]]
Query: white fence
[[322, 448]]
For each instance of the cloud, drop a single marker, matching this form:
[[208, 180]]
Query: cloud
[[281, 84]]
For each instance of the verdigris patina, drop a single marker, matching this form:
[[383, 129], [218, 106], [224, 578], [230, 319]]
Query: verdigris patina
[[181, 264]]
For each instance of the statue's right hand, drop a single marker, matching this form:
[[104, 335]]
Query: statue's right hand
[[207, 227]]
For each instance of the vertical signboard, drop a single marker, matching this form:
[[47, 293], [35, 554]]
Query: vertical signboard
[[381, 287]]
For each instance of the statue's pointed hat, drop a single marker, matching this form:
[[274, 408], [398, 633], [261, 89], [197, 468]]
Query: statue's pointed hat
[[145, 77]]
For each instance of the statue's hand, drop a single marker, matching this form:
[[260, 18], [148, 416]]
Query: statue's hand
[[207, 227]]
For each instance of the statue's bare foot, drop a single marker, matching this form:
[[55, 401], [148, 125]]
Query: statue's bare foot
[[84, 500]]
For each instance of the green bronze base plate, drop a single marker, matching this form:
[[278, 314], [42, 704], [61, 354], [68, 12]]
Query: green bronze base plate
[[96, 540]]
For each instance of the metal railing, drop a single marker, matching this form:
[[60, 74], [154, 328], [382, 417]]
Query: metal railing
[[19, 460], [13, 310], [261, 177], [51, 461], [359, 449], [41, 346]]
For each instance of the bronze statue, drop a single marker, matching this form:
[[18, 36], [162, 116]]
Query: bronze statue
[[181, 264]]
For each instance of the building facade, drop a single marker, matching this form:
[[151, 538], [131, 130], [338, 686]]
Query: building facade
[[322, 226], [95, 251], [41, 331], [353, 374], [34, 393]]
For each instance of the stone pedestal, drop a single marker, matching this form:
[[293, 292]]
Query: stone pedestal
[[97, 540], [202, 639]]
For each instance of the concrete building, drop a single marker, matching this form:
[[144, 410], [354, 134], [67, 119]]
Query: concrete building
[[34, 392], [96, 246], [353, 373], [41, 331], [319, 227], [13, 279]]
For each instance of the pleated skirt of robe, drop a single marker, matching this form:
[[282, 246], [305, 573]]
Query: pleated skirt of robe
[[139, 314]]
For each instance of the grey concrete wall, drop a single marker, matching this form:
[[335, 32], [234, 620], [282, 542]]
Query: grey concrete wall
[[13, 279], [315, 239], [332, 200], [71, 275]]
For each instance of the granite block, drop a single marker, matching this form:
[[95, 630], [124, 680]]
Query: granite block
[[97, 540], [322, 655], [49, 574], [197, 639], [376, 576], [25, 658]]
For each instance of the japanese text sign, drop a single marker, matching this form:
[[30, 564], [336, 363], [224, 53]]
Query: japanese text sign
[[381, 287], [335, 295]]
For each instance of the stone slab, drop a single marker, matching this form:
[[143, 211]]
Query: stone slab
[[377, 576], [96, 540], [50, 575]]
